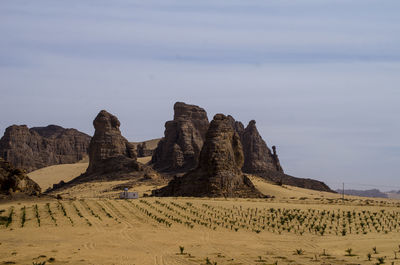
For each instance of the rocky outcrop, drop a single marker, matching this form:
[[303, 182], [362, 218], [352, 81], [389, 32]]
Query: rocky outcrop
[[284, 179], [111, 157], [260, 161], [13, 180], [143, 151], [109, 151], [237, 125], [38, 147], [183, 139], [257, 156], [218, 173]]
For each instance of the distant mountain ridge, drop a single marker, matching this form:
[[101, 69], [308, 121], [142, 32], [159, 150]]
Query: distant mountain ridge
[[373, 193]]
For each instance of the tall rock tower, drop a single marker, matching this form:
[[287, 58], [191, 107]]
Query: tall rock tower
[[183, 139], [218, 173], [109, 151]]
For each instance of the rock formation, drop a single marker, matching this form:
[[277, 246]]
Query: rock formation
[[109, 151], [143, 151], [183, 139], [257, 155], [284, 179], [237, 125], [111, 157], [13, 180], [260, 161], [38, 147], [218, 173]]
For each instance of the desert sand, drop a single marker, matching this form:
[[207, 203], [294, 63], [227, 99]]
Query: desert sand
[[151, 230], [90, 225], [109, 231], [48, 176]]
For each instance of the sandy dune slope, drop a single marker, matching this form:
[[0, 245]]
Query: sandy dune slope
[[48, 176]]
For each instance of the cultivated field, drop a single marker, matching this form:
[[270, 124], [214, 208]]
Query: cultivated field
[[305, 230]]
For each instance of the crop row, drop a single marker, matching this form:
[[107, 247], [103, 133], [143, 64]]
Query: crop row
[[276, 220], [59, 212]]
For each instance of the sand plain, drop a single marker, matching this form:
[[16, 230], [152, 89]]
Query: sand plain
[[151, 231], [296, 226]]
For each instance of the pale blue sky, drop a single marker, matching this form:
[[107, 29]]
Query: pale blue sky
[[321, 78]]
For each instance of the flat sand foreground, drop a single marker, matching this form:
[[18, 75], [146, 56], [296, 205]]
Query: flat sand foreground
[[217, 231]]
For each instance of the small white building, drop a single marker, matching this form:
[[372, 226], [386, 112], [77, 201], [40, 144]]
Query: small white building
[[128, 195]]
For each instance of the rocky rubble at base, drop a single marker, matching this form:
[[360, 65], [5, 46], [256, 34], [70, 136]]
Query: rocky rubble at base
[[14, 180]]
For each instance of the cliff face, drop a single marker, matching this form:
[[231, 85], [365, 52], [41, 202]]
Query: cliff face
[[15, 180], [183, 139], [218, 173], [38, 147]]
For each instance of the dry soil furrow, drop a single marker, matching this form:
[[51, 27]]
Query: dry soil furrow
[[45, 219], [61, 214], [74, 215], [96, 222], [112, 208], [107, 218]]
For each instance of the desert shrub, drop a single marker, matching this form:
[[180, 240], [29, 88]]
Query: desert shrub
[[9, 218], [299, 251], [23, 216], [375, 250], [51, 214], [36, 209], [181, 249], [381, 260], [349, 252]]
